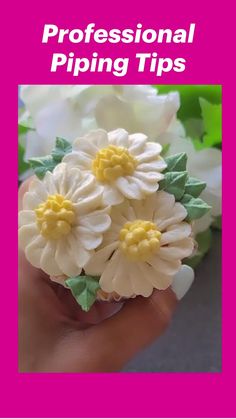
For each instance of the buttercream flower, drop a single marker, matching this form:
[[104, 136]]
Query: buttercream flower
[[144, 246], [126, 165], [73, 110], [62, 221], [205, 165]]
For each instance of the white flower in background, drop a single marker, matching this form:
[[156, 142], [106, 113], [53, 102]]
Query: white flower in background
[[205, 165], [144, 246], [137, 109], [62, 221], [71, 111], [126, 165]]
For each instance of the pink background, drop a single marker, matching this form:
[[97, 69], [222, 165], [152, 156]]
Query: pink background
[[26, 60]]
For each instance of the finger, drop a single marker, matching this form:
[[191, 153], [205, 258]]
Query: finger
[[104, 310], [140, 321], [97, 313]]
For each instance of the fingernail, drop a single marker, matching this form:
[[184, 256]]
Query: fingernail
[[183, 281]]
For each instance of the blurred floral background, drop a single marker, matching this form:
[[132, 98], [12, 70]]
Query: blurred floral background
[[180, 117]]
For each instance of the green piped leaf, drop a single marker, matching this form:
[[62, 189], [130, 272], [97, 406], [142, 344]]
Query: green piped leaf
[[184, 188], [194, 187], [174, 183], [176, 163], [84, 289], [41, 165], [195, 207], [62, 148]]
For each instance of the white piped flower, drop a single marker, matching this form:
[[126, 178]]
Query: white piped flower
[[128, 166], [144, 247], [62, 221]]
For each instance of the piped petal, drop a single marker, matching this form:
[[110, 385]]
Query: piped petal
[[98, 262], [175, 233]]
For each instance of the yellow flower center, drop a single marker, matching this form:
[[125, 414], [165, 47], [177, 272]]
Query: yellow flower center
[[55, 217], [139, 240], [112, 162]]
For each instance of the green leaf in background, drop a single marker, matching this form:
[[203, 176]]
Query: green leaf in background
[[193, 116], [24, 125], [194, 187], [203, 240], [174, 183], [41, 165], [22, 130], [189, 97], [198, 144], [165, 149], [176, 163], [195, 207], [22, 165], [62, 148], [212, 120], [217, 223], [194, 128], [84, 289]]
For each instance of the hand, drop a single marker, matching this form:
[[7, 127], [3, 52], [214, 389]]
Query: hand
[[55, 335]]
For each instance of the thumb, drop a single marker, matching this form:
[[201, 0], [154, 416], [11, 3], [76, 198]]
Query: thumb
[[119, 338]]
